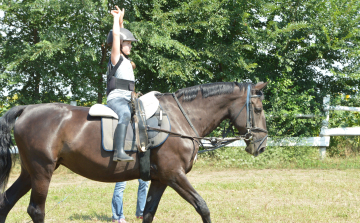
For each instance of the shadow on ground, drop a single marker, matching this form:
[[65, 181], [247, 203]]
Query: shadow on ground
[[85, 217]]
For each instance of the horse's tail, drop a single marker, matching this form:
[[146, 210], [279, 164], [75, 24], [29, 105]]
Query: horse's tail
[[7, 123]]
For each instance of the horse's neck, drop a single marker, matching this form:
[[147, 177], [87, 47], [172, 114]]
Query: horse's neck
[[207, 113]]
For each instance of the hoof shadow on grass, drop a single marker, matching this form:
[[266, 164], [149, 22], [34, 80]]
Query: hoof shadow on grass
[[87, 217]]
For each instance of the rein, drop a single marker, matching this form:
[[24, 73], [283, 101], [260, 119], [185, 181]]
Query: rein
[[216, 142], [185, 115], [221, 142]]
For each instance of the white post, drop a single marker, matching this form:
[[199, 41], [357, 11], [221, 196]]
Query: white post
[[325, 124], [322, 151]]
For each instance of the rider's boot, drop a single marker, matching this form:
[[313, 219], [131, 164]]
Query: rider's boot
[[119, 143]]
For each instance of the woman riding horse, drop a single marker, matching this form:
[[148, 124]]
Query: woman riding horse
[[121, 83]]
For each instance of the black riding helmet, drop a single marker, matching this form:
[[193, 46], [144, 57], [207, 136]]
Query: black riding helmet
[[125, 35]]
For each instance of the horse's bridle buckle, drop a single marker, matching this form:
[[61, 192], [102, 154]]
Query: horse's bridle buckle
[[248, 136]]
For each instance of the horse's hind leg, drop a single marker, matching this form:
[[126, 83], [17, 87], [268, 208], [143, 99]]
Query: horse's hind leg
[[18, 189], [40, 181], [153, 198], [183, 187]]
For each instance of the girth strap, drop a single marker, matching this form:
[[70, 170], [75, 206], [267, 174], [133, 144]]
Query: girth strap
[[141, 135]]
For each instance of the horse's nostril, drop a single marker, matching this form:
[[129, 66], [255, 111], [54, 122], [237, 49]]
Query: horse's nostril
[[262, 150]]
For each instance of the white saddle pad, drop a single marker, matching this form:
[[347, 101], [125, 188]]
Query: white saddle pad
[[103, 111], [149, 101]]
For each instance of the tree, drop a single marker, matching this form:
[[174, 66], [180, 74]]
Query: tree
[[289, 43], [51, 45], [301, 41]]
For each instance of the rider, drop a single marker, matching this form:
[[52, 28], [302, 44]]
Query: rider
[[120, 86]]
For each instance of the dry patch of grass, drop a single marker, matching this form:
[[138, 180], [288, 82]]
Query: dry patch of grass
[[232, 195]]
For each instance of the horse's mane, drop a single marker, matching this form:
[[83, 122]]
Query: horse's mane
[[209, 90]]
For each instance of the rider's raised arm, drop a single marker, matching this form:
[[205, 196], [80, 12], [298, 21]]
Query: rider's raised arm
[[118, 23]]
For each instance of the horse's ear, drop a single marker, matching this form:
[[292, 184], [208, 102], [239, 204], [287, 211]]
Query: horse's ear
[[259, 86]]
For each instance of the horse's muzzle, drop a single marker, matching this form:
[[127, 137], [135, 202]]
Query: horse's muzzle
[[257, 148]]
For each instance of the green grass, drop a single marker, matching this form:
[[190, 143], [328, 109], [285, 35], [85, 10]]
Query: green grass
[[233, 195], [273, 188], [276, 158]]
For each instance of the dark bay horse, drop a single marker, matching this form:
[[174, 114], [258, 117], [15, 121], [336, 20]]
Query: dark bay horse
[[50, 135]]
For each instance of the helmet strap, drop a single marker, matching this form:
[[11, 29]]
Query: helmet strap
[[126, 56]]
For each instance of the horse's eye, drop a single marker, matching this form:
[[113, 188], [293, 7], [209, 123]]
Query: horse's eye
[[258, 110]]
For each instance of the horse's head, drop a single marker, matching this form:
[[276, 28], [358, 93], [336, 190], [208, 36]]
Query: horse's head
[[249, 118]]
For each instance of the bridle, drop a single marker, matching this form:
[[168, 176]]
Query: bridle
[[249, 137], [216, 142]]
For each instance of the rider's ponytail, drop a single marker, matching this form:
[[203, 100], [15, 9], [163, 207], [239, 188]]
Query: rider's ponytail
[[133, 65]]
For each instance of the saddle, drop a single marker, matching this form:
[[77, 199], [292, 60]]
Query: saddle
[[147, 112]]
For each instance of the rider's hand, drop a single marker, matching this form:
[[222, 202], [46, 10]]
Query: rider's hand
[[118, 19], [118, 13]]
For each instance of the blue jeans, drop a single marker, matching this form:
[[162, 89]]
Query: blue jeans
[[117, 200], [122, 108]]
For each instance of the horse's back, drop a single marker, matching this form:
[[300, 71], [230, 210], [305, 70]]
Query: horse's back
[[49, 127], [66, 135], [49, 117]]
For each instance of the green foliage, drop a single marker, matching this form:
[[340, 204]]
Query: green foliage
[[3, 110], [50, 48], [345, 118], [305, 49], [301, 39], [344, 146], [282, 118]]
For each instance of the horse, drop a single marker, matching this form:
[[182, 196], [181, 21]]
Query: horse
[[54, 134]]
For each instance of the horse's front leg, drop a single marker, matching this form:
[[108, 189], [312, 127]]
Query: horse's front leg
[[153, 198], [183, 187]]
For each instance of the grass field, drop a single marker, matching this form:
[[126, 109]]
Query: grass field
[[232, 195]]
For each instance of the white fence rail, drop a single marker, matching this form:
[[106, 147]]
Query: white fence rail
[[343, 108], [350, 131], [288, 141], [14, 149], [326, 132]]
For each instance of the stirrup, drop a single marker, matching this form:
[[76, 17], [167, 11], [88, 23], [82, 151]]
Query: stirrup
[[122, 157], [118, 159]]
